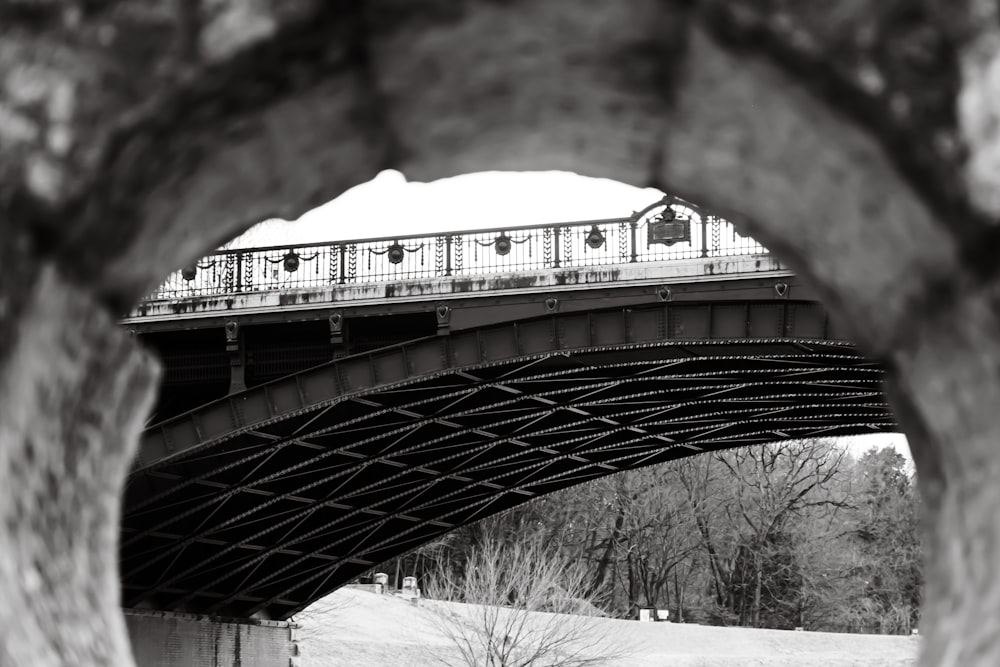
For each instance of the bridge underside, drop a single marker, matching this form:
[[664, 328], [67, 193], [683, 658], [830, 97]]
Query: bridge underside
[[267, 500]]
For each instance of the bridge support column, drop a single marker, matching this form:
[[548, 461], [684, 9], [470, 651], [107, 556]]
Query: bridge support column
[[336, 320], [165, 639], [443, 315], [237, 367]]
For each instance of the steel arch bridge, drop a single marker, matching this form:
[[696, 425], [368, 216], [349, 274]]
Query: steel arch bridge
[[266, 500]]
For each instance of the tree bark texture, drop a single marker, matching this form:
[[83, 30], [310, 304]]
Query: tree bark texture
[[858, 141]]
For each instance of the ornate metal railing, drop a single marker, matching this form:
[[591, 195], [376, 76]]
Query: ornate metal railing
[[670, 229]]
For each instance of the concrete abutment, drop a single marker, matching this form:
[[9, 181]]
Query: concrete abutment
[[167, 639]]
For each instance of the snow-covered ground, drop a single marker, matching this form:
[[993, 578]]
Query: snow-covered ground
[[361, 629]]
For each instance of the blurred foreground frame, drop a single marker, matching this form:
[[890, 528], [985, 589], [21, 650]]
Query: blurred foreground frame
[[860, 142]]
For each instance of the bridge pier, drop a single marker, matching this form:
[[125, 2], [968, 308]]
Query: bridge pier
[[167, 639]]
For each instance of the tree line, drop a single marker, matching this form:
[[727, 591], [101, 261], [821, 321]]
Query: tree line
[[797, 534]]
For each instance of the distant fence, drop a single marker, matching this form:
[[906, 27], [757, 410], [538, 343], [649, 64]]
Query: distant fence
[[667, 230]]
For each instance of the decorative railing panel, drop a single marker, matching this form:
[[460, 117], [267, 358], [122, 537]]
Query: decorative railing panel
[[667, 230]]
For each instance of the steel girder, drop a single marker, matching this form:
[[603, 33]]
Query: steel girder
[[265, 501]]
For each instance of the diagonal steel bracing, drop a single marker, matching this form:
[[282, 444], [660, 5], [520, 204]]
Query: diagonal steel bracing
[[268, 499]]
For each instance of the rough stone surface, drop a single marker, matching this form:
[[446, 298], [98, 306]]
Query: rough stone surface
[[979, 112], [233, 25], [857, 138], [72, 404]]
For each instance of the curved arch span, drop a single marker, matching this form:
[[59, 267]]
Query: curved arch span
[[266, 500]]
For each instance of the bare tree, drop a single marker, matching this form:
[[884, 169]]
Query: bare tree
[[747, 503], [652, 534], [517, 604]]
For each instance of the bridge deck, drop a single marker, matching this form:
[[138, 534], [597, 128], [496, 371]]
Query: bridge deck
[[680, 242]]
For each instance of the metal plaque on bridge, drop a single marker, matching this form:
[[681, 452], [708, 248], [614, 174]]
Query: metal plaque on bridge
[[668, 232]]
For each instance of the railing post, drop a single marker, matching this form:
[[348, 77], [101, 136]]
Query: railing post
[[555, 245], [704, 235], [343, 263], [633, 234], [248, 276], [447, 255], [238, 283]]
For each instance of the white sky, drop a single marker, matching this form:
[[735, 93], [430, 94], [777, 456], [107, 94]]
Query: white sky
[[389, 204]]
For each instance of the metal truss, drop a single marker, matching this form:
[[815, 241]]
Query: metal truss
[[264, 501]]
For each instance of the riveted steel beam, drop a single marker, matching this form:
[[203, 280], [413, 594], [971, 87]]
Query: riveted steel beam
[[363, 374]]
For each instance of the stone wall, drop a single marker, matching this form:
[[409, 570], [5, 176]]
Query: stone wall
[[857, 140]]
